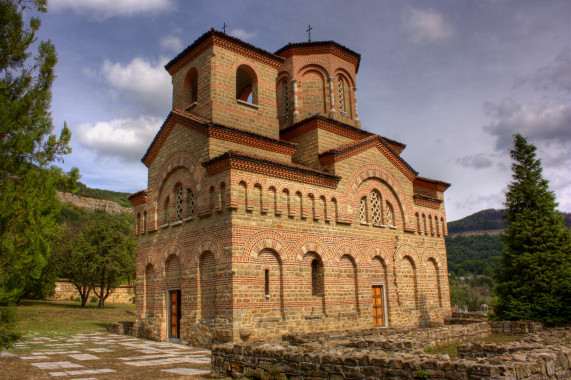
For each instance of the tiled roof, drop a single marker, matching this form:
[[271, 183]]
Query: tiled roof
[[205, 124], [332, 121], [359, 143], [320, 43], [281, 164], [225, 36], [434, 181]]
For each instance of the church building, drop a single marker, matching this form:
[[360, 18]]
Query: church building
[[269, 209]]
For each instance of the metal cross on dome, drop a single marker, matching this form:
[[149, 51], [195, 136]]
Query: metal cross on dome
[[224, 27], [309, 33]]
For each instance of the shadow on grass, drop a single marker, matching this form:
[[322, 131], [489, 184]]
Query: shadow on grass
[[70, 304]]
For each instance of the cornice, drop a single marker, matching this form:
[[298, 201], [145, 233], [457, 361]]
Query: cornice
[[260, 165]]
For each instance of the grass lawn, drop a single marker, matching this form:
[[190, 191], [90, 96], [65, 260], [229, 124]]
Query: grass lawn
[[67, 317]]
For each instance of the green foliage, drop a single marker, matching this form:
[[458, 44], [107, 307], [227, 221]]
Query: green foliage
[[28, 148], [99, 255], [8, 332], [534, 282], [111, 252], [485, 220], [471, 291], [473, 255]]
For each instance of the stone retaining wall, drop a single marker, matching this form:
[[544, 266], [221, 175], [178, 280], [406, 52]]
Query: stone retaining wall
[[543, 355], [120, 328], [65, 290]]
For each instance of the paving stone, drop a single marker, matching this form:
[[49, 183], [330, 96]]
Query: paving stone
[[34, 357], [98, 350], [56, 365], [83, 357], [186, 371]]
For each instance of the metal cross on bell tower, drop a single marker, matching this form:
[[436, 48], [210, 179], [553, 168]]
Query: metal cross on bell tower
[[309, 33], [224, 27]]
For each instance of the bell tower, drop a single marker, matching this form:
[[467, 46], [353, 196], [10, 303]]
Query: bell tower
[[228, 82], [317, 78]]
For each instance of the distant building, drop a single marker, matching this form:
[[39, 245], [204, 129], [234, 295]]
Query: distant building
[[270, 210]]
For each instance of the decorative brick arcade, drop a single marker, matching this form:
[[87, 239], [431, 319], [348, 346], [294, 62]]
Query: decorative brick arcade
[[270, 210]]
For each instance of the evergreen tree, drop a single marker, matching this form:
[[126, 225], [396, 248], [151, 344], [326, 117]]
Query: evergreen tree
[[28, 149], [534, 281]]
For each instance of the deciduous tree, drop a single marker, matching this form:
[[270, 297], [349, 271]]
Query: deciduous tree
[[534, 282], [110, 253]]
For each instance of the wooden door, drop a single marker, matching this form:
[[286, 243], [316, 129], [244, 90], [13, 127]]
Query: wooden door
[[378, 306], [174, 322]]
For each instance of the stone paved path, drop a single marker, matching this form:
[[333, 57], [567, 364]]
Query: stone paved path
[[102, 356]]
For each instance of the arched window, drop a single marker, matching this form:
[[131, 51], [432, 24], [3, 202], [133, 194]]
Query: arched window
[[138, 224], [166, 210], [179, 202], [246, 85], [376, 207], [267, 283], [363, 210], [285, 97], [144, 222], [191, 87], [341, 93], [390, 215], [316, 278]]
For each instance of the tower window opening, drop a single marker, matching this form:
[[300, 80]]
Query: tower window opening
[[267, 283]]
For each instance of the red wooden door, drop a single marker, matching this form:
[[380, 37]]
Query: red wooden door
[[174, 322]]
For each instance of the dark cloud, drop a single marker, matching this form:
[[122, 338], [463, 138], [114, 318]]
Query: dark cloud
[[544, 123], [554, 77], [478, 161]]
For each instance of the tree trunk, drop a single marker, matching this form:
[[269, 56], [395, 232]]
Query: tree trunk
[[101, 288], [83, 291]]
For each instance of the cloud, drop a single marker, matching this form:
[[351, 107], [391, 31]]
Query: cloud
[[171, 43], [141, 82], [478, 161], [241, 34], [426, 25], [544, 123], [556, 76], [126, 139], [102, 10]]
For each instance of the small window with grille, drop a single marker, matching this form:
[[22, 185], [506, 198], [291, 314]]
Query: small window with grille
[[390, 215], [179, 203], [363, 210], [376, 207], [285, 94], [341, 94], [190, 202]]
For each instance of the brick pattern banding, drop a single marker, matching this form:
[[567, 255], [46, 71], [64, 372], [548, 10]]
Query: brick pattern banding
[[253, 207]]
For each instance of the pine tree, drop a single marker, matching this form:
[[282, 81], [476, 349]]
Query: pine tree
[[534, 281], [28, 149]]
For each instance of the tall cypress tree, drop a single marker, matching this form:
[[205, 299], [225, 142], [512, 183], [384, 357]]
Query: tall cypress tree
[[534, 280], [28, 149]]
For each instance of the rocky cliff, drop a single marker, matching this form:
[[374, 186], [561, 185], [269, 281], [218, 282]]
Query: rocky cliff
[[92, 204]]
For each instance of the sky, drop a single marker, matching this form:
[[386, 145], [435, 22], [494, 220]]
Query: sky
[[452, 79]]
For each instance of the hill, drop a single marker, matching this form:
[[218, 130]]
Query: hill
[[488, 221]]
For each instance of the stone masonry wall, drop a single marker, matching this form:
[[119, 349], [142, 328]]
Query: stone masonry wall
[[398, 357], [65, 290]]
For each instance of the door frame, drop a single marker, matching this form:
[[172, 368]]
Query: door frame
[[169, 313], [384, 294]]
